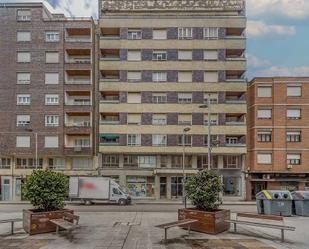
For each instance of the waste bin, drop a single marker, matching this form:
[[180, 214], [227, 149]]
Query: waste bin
[[274, 202], [301, 202]]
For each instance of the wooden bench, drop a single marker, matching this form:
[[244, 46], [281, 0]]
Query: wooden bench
[[181, 223], [257, 222], [12, 221], [68, 222]]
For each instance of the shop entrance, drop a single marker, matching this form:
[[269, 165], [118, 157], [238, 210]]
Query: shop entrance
[[176, 187], [163, 188]]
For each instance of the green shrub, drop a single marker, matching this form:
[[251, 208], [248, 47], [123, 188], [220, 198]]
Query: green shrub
[[203, 189], [46, 190]]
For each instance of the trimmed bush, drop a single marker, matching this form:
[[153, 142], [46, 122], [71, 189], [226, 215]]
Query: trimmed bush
[[203, 190], [46, 190]]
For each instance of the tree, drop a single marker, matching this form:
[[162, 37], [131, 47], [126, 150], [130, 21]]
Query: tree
[[203, 190], [46, 190]]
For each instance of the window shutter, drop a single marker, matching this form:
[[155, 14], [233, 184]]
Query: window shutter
[[23, 78], [134, 76], [23, 36], [294, 91], [23, 57], [134, 55], [293, 113], [51, 142], [264, 91], [134, 98], [211, 77], [264, 158], [23, 141], [159, 34], [52, 78], [210, 55], [52, 57], [264, 113], [134, 118], [184, 76], [185, 55]]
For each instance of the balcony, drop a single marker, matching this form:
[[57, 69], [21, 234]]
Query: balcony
[[110, 118], [235, 33], [110, 55], [235, 98], [110, 33], [78, 77], [78, 35], [110, 97], [77, 120], [235, 55], [235, 119], [235, 76], [110, 75], [235, 141], [77, 143], [109, 139], [232, 162], [78, 98], [78, 56]]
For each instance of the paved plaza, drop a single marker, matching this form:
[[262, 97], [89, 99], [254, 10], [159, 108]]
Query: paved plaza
[[136, 230]]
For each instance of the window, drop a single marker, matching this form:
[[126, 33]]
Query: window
[[23, 99], [23, 36], [23, 78], [51, 78], [184, 98], [28, 163], [159, 98], [159, 140], [134, 76], [264, 136], [187, 139], [293, 136], [159, 55], [184, 119], [185, 55], [51, 120], [213, 119], [163, 161], [24, 15], [211, 33], [110, 160], [5, 163], [134, 140], [56, 163], [134, 98], [23, 141], [52, 36], [211, 77], [51, 99], [159, 119], [184, 76], [210, 55], [141, 186], [134, 119], [134, 34], [52, 57], [23, 57], [293, 91], [159, 76], [134, 55], [264, 91], [293, 113], [159, 34], [231, 162], [82, 143], [185, 33], [293, 159], [264, 113], [147, 161], [51, 142], [109, 139], [22, 120], [130, 160], [264, 158], [214, 140], [213, 97], [81, 163]]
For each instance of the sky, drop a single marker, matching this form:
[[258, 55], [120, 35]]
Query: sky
[[277, 34]]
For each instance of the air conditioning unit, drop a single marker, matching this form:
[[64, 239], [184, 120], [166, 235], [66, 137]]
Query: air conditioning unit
[[289, 166], [77, 149]]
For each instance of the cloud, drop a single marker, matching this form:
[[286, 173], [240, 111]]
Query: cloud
[[294, 9], [80, 8], [260, 28], [284, 71], [255, 62]]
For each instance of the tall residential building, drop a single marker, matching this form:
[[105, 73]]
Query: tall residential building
[[160, 61], [278, 129], [46, 93]]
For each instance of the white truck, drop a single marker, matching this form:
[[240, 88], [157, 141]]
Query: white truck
[[90, 189]]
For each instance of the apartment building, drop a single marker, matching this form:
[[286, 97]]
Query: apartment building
[[160, 63], [47, 84], [278, 130]]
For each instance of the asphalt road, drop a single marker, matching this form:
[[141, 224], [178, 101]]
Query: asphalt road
[[12, 208]]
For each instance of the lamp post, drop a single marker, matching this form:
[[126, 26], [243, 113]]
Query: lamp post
[[185, 130]]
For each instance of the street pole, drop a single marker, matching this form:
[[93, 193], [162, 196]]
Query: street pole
[[209, 133], [36, 150], [183, 166]]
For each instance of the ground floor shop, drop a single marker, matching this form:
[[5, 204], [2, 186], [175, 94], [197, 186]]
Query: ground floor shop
[[275, 181]]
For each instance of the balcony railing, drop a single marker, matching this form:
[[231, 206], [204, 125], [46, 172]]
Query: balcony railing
[[78, 39], [78, 124], [239, 144], [78, 60], [78, 102], [109, 58], [233, 122], [113, 79], [78, 81], [109, 121], [110, 37], [235, 101]]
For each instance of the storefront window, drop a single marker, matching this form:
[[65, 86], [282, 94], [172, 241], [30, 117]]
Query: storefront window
[[176, 187], [139, 186], [232, 185], [18, 187]]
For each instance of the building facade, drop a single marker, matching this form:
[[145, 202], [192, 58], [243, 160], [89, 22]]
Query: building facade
[[277, 134], [47, 93], [160, 62]]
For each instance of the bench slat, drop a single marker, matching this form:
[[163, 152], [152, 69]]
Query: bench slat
[[64, 224], [260, 216], [261, 224], [176, 223], [11, 220]]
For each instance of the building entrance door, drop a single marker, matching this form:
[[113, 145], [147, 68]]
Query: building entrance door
[[6, 189], [176, 187], [257, 187], [163, 188]]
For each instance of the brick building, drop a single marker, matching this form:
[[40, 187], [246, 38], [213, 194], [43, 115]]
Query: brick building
[[278, 117], [47, 84], [159, 62]]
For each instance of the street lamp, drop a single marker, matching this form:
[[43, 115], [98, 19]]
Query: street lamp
[[185, 130]]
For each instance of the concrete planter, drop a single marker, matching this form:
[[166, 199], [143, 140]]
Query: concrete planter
[[38, 222], [208, 222]]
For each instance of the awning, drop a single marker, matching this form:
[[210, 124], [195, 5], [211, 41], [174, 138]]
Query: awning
[[111, 136]]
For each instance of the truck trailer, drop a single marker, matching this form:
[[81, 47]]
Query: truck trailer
[[89, 189]]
